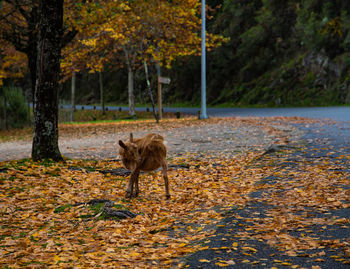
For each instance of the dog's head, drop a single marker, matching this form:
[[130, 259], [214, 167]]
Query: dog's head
[[129, 150]]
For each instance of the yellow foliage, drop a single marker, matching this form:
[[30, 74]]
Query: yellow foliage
[[158, 30]]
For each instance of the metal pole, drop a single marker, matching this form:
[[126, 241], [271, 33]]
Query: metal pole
[[160, 107], [203, 74]]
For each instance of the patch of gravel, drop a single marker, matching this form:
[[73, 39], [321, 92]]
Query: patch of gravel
[[221, 139]]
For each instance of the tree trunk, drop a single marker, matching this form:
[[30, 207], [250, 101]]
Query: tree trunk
[[102, 99], [131, 92], [150, 90], [130, 83], [73, 97], [45, 140]]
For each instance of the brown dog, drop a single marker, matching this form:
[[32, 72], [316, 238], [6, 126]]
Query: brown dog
[[143, 154]]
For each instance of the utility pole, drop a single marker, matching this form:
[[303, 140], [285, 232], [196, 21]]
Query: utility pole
[[203, 114], [160, 106]]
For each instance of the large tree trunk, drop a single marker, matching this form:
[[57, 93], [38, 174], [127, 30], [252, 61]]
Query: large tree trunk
[[45, 141]]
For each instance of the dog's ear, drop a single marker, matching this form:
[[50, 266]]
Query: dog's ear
[[121, 143], [131, 138]]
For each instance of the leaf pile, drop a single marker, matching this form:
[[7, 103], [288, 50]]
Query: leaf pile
[[45, 220], [40, 225]]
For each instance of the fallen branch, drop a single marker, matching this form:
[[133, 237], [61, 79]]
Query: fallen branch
[[108, 209]]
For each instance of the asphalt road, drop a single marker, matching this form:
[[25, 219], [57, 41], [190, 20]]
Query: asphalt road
[[330, 141], [339, 113]]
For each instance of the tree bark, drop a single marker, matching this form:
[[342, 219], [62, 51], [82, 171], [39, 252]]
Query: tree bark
[[45, 140]]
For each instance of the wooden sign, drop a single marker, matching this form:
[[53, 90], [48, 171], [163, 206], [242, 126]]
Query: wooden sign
[[164, 80]]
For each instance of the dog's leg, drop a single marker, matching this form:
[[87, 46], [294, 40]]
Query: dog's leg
[[136, 187], [166, 181], [130, 188]]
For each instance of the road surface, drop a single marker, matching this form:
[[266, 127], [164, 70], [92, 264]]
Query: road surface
[[338, 113]]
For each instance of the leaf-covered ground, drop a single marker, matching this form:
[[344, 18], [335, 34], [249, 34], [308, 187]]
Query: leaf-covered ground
[[298, 212], [282, 209]]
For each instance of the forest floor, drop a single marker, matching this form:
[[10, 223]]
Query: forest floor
[[262, 192]]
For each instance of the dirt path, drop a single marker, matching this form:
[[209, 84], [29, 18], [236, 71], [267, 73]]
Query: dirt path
[[217, 137]]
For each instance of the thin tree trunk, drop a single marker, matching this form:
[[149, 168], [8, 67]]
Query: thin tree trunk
[[150, 91], [131, 92], [45, 140], [102, 99], [130, 84], [73, 96]]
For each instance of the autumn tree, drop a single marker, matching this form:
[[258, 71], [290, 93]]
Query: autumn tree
[[37, 30], [45, 142], [141, 31]]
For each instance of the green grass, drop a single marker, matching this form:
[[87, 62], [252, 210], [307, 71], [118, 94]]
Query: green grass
[[98, 121], [62, 208], [96, 116]]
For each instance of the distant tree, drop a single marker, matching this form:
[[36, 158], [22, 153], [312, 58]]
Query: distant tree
[[137, 31], [36, 29], [324, 25]]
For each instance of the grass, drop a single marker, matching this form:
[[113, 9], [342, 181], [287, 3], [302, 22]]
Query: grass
[[83, 117], [92, 116]]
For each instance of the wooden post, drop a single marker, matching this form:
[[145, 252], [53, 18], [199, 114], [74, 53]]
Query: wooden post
[[161, 80]]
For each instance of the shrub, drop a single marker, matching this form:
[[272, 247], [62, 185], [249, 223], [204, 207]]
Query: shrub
[[17, 113]]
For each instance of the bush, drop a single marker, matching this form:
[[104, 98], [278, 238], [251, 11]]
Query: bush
[[17, 112]]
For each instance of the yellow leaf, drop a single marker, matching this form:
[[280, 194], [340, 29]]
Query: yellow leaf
[[220, 264], [230, 262], [110, 250], [203, 260], [56, 259], [250, 248], [35, 234]]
